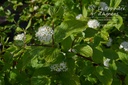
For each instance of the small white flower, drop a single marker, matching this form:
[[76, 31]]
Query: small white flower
[[36, 7], [63, 53], [59, 67], [78, 16], [109, 43], [44, 34], [106, 62], [93, 24], [103, 6], [124, 45], [20, 37]]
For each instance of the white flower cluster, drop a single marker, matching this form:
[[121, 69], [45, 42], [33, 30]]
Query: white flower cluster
[[109, 43], [44, 34], [78, 16], [20, 37], [103, 6], [59, 67], [124, 45], [93, 24], [106, 62], [35, 7]]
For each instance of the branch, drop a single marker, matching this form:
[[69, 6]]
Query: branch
[[87, 58]]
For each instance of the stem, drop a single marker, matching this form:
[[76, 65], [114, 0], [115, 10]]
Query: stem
[[40, 45], [87, 58]]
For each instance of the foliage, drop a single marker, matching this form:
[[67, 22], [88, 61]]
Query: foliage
[[74, 46]]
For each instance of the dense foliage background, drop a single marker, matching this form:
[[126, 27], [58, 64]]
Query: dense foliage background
[[72, 52]]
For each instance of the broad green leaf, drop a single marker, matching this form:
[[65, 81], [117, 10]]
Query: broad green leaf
[[42, 71], [118, 20], [104, 35], [116, 81], [97, 55], [50, 54], [12, 48], [123, 57], [92, 79], [69, 79], [84, 50], [70, 64], [90, 32], [18, 29], [111, 54], [40, 80], [84, 10], [68, 28], [16, 5], [87, 70], [115, 3], [12, 77], [66, 44], [28, 55], [104, 75], [122, 67]]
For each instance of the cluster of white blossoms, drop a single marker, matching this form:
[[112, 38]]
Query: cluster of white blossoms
[[109, 43], [124, 45], [93, 24], [20, 37], [44, 34], [78, 16], [103, 6], [106, 62], [61, 67], [35, 7]]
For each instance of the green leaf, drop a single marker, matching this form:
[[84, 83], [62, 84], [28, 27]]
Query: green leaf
[[122, 67], [90, 32], [116, 81], [28, 55], [115, 3], [123, 56], [50, 54], [42, 71], [29, 23], [111, 54], [12, 77], [40, 80], [18, 29], [84, 50], [16, 5], [104, 75], [69, 79], [87, 70], [66, 44], [28, 38], [104, 35], [68, 28], [84, 10], [118, 21], [97, 55]]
